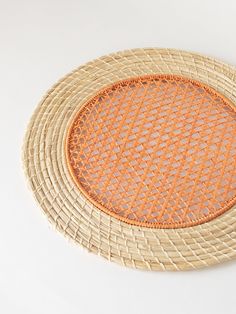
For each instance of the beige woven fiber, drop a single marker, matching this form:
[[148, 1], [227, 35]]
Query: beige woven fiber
[[71, 211]]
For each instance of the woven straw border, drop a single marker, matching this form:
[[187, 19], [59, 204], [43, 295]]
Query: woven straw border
[[74, 215]]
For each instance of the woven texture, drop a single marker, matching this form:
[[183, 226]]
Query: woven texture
[[156, 151], [70, 210]]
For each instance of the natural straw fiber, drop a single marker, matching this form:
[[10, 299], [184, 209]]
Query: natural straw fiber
[[133, 156]]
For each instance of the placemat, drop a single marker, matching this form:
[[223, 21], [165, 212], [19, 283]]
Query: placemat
[[133, 156]]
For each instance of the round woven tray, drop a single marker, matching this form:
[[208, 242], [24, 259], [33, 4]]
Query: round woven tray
[[133, 156]]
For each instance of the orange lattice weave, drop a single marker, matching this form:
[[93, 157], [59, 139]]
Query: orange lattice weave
[[156, 151]]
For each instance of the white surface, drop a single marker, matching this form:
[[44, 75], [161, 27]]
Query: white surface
[[40, 272]]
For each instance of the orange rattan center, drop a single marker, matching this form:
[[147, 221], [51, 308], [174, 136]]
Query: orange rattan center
[[156, 151]]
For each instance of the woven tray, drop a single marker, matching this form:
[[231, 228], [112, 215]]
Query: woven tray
[[133, 156]]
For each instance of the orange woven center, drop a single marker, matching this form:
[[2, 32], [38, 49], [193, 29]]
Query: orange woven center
[[156, 151]]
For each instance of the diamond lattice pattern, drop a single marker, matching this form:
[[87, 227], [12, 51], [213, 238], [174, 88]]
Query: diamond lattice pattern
[[156, 151]]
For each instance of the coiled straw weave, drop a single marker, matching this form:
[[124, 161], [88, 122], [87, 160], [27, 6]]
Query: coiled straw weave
[[73, 213]]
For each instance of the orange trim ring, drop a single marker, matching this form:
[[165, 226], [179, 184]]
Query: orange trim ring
[[156, 151]]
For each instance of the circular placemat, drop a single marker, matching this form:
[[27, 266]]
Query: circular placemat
[[133, 156]]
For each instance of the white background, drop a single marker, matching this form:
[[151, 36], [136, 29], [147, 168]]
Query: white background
[[41, 41]]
